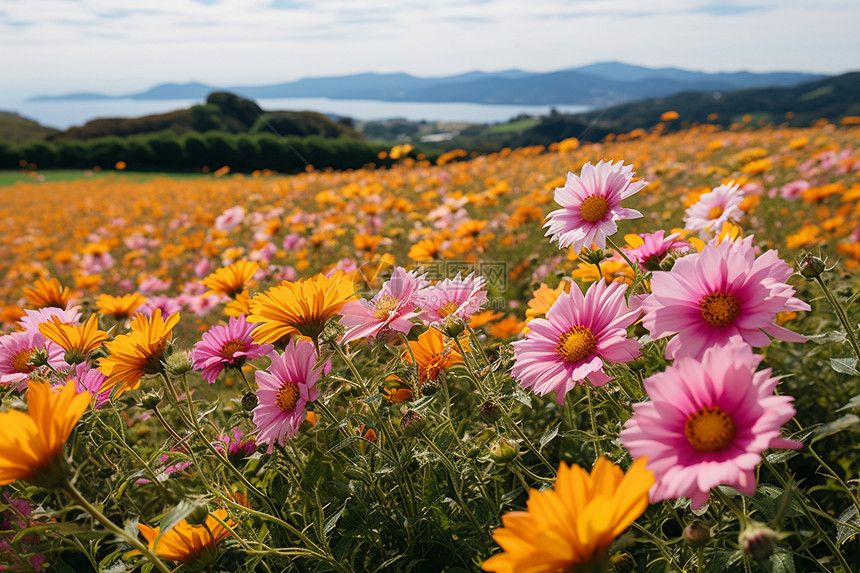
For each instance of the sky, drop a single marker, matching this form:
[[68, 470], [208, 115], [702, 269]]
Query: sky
[[52, 47]]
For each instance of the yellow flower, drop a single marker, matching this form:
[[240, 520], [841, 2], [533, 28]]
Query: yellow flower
[[119, 307], [544, 297], [574, 523], [301, 307], [77, 341], [31, 443], [194, 545], [48, 293], [432, 355], [231, 280], [241, 305], [424, 251], [137, 353]]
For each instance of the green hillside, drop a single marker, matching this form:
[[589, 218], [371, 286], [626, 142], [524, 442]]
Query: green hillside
[[17, 129]]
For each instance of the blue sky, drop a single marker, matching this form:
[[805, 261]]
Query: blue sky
[[117, 46]]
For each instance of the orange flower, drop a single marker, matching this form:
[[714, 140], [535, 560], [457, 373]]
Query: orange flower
[[231, 280], [77, 341], [423, 251], [432, 355], [31, 444], [119, 307], [48, 293], [196, 546]]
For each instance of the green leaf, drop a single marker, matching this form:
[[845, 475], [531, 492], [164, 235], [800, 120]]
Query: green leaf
[[827, 337], [845, 366], [852, 403], [549, 435], [780, 562], [182, 510], [843, 423], [332, 521], [848, 525], [721, 560]]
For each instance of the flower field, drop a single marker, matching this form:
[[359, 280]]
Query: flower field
[[639, 355]]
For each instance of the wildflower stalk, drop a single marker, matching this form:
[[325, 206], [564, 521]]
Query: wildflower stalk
[[727, 501], [78, 497], [841, 315], [597, 449]]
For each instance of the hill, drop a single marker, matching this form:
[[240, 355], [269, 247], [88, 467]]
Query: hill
[[17, 129], [599, 84]]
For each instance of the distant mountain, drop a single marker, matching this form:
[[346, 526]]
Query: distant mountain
[[17, 129], [598, 84]]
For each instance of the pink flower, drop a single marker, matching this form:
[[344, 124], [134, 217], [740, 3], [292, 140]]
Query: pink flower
[[230, 219], [722, 292], [17, 351], [392, 308], [715, 208], [285, 389], [708, 423], [33, 318], [90, 380], [168, 305], [226, 346], [654, 249], [460, 297], [236, 447], [577, 335], [590, 205]]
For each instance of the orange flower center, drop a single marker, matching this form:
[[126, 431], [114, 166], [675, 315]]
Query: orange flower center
[[288, 397], [433, 368], [719, 309], [709, 429], [594, 208], [21, 361], [447, 309], [576, 344], [715, 212], [384, 306], [231, 347]]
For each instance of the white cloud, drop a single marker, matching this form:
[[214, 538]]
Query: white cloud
[[57, 46]]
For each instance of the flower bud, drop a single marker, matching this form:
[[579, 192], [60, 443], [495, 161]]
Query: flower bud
[[697, 534], [73, 357], [504, 451], [412, 423], [811, 267], [758, 541], [179, 363], [594, 256], [39, 357], [453, 326], [150, 400], [429, 387], [249, 401]]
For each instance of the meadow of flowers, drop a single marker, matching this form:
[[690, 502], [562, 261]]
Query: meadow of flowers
[[639, 355]]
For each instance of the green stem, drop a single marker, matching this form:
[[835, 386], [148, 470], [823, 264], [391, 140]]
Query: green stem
[[840, 313], [727, 501], [597, 449], [111, 526]]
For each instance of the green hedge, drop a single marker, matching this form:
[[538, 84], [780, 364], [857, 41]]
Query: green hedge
[[165, 151]]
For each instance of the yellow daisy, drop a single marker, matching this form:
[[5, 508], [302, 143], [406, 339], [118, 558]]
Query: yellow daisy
[[231, 280], [77, 341], [138, 353], [301, 307], [48, 293], [572, 525], [119, 307], [31, 444]]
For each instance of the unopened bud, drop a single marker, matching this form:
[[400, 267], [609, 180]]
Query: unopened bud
[[811, 267], [429, 387], [150, 400], [179, 363], [758, 541], [249, 401], [39, 357], [453, 326], [412, 423], [594, 256], [697, 534], [504, 451]]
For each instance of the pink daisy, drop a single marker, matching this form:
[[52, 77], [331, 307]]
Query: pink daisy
[[285, 388], [715, 208], [654, 249], [237, 446], [577, 335], [91, 380], [460, 297], [590, 205], [33, 318], [391, 309], [226, 347], [722, 292], [17, 351], [708, 423]]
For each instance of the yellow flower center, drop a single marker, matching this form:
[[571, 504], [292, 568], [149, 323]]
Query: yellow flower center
[[576, 344], [447, 309], [594, 208], [385, 305], [230, 348], [709, 429], [715, 212], [719, 308], [433, 368], [21, 361], [288, 397]]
